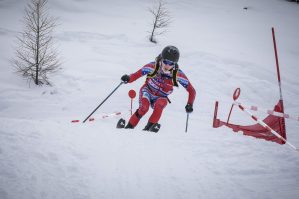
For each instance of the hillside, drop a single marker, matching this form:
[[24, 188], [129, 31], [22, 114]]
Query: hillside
[[223, 46]]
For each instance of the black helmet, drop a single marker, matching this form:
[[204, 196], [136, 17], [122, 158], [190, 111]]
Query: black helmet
[[171, 53]]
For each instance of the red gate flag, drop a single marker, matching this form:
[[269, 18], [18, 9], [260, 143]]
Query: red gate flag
[[257, 130]]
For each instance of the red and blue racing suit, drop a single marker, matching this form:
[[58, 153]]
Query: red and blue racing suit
[[155, 90]]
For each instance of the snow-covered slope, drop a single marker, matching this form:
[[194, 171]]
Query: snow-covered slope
[[223, 46]]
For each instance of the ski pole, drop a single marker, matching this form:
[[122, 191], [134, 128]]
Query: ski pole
[[187, 123], [103, 102]]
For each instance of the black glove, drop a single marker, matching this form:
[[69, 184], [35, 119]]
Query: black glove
[[125, 78], [189, 108]]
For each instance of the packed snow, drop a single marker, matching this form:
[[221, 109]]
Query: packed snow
[[223, 46]]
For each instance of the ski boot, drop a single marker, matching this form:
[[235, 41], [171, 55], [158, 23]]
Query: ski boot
[[153, 127], [122, 124]]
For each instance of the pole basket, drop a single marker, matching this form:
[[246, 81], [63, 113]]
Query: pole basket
[[257, 130]]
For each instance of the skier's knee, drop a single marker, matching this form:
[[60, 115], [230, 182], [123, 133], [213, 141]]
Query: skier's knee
[[161, 103], [144, 106]]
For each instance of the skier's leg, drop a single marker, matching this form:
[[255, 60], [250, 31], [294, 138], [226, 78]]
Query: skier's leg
[[159, 105], [158, 109], [141, 111]]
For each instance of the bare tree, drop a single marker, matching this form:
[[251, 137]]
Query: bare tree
[[161, 19], [35, 55]]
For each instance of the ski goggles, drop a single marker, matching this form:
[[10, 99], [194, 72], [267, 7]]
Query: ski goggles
[[168, 62]]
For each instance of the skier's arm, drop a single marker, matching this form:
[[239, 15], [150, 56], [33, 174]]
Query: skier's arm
[[192, 93], [135, 76], [148, 68], [184, 81]]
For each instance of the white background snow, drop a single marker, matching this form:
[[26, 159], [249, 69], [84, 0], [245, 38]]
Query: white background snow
[[222, 45]]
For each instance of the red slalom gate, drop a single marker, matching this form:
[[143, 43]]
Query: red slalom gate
[[272, 128], [257, 130], [267, 127]]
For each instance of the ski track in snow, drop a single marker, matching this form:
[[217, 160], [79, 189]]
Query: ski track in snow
[[44, 155]]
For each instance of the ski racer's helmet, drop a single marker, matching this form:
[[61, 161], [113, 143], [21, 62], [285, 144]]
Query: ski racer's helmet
[[171, 53]]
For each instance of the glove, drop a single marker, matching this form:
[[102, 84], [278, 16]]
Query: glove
[[189, 108], [125, 78]]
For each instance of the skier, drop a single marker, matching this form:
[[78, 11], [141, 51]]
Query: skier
[[162, 75]]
